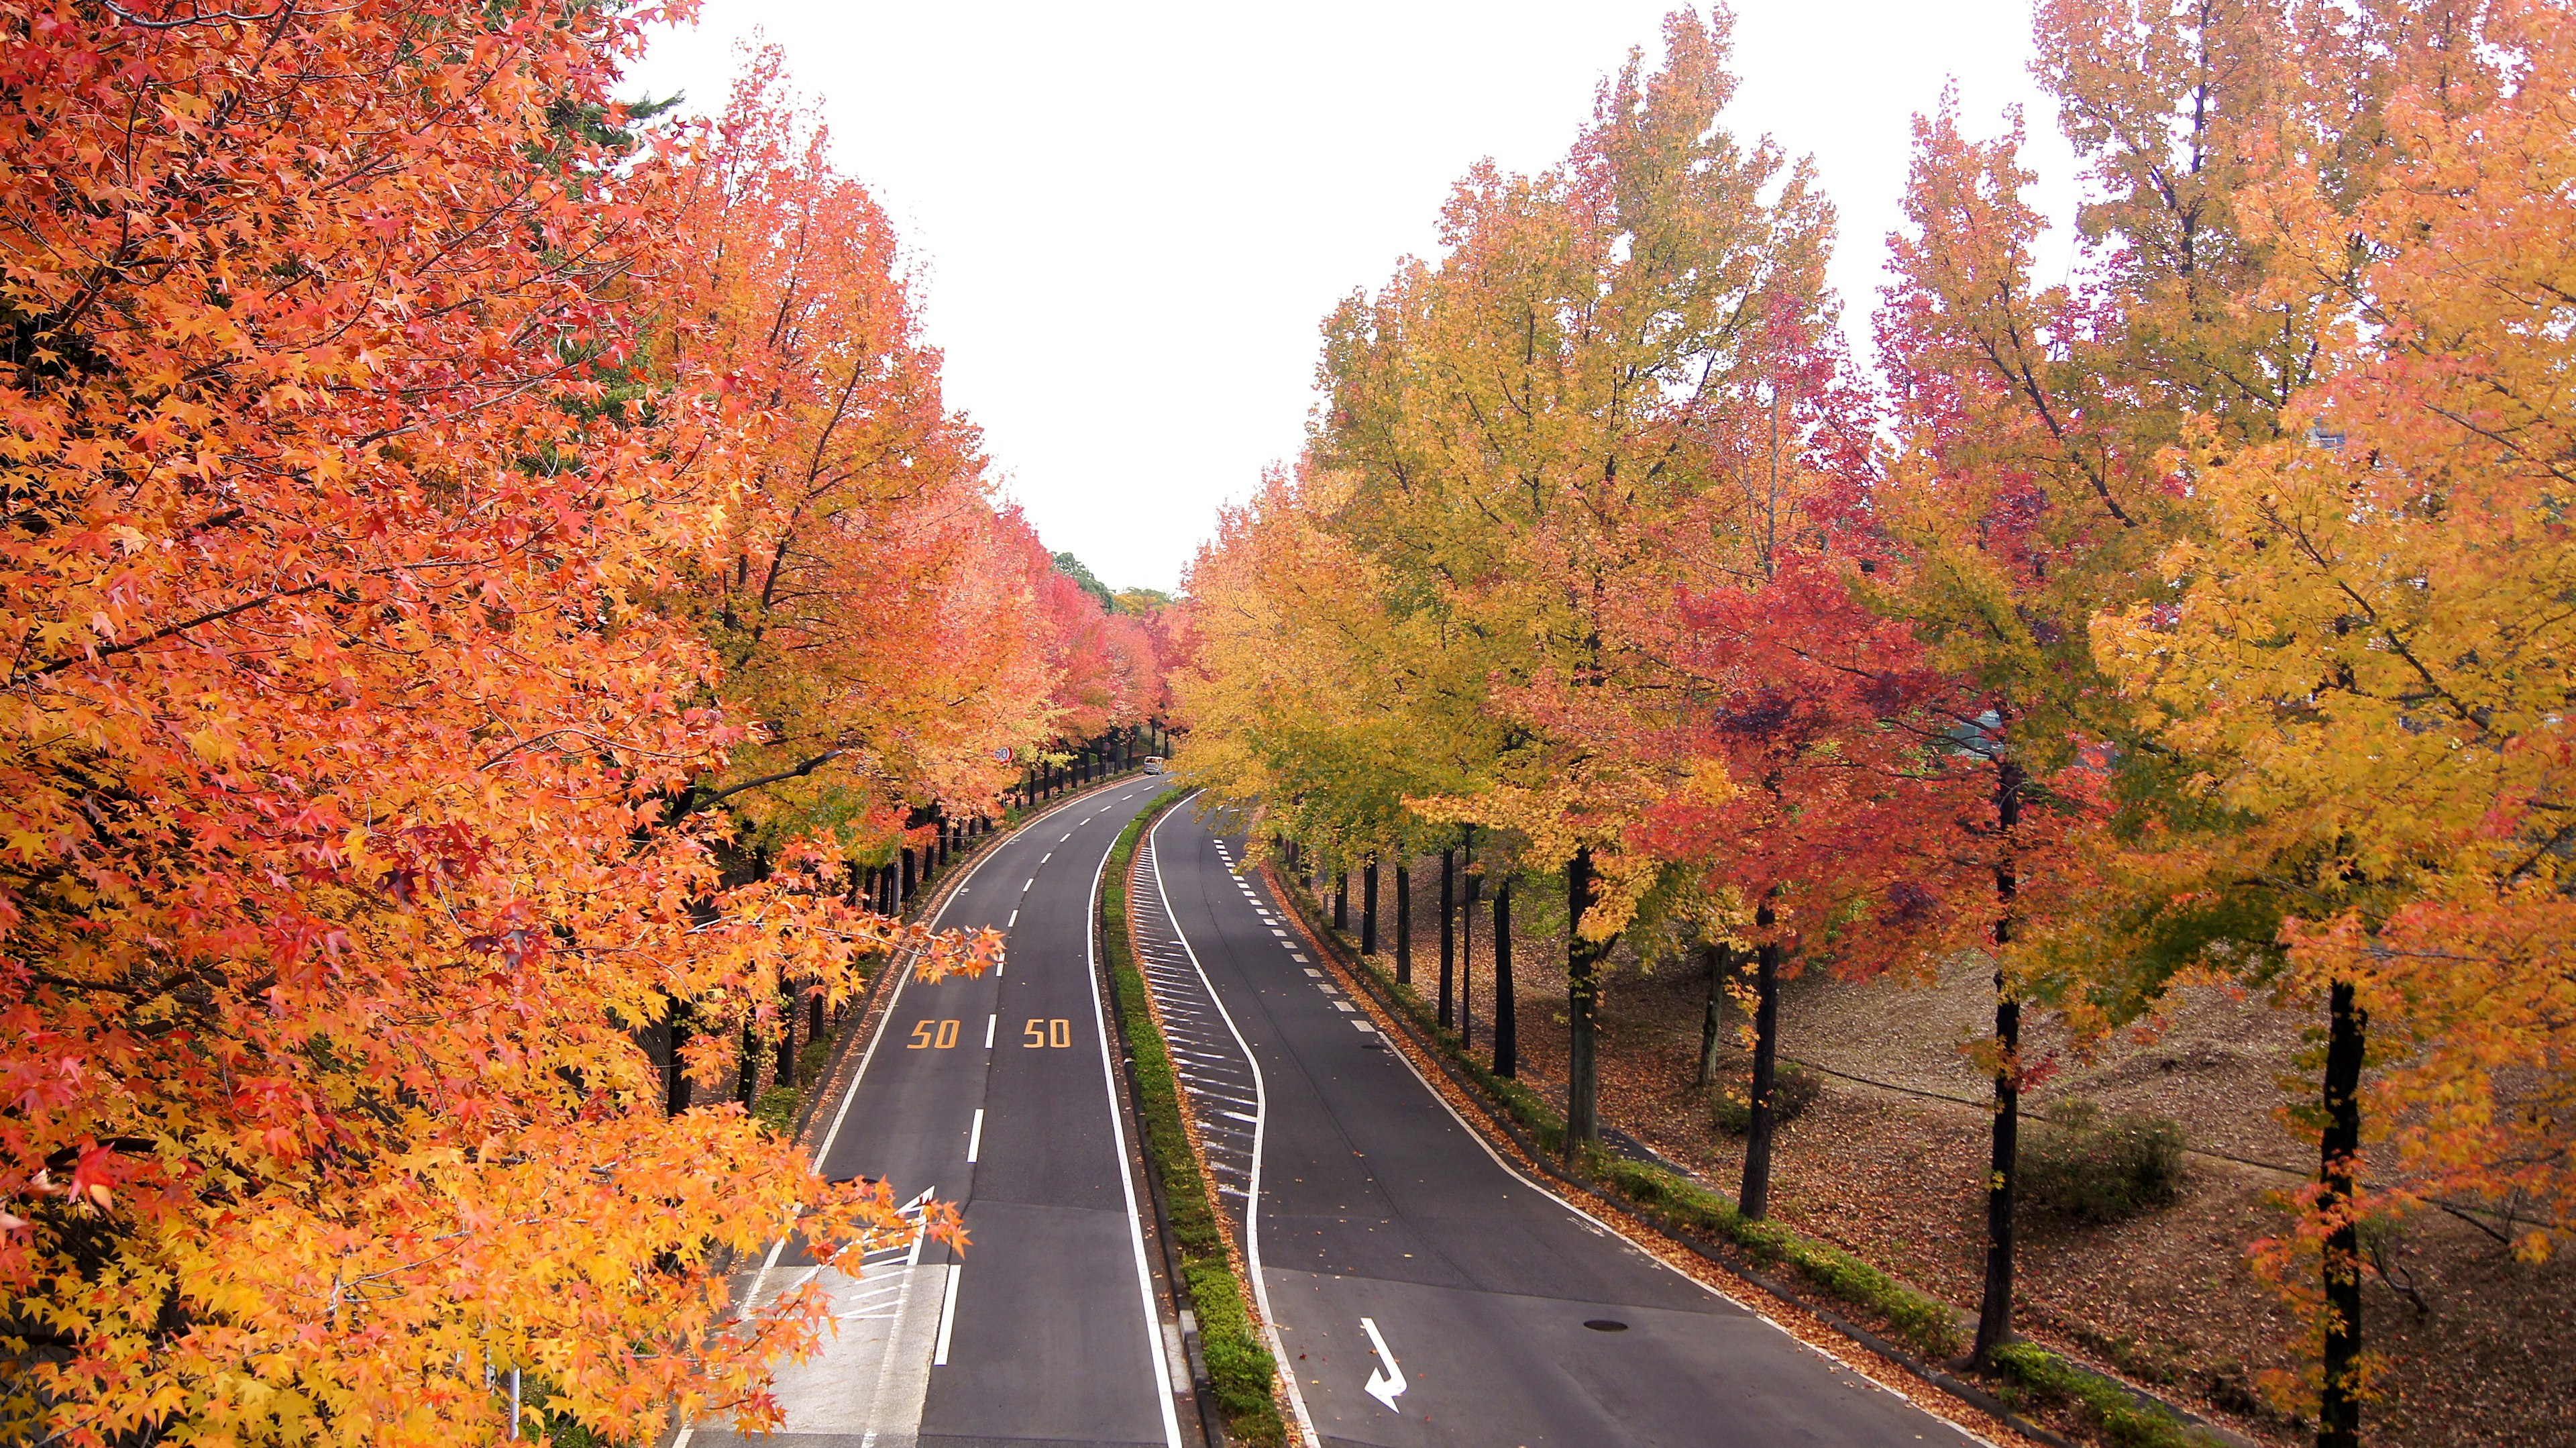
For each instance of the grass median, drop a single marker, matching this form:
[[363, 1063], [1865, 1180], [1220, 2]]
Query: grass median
[[1240, 1370]]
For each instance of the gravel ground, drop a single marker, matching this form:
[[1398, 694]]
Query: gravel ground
[[2487, 1357]]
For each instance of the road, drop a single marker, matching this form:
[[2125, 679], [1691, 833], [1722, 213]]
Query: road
[[996, 1094], [1424, 1292]]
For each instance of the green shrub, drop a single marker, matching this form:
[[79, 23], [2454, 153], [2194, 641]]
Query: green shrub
[[775, 1109], [2081, 1166], [1794, 1088], [2030, 1370]]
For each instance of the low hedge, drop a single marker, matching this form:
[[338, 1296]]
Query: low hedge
[[2031, 1371], [1240, 1368]]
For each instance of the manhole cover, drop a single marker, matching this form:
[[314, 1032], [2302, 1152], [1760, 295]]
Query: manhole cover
[[1603, 1324]]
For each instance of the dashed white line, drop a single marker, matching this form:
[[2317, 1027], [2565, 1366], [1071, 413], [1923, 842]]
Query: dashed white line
[[989, 1023], [975, 1135], [1007, 924], [1049, 855]]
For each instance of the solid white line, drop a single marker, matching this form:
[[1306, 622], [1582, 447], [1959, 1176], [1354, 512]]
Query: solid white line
[[1260, 1129], [975, 1137], [1126, 1179], [989, 1023], [947, 1316]]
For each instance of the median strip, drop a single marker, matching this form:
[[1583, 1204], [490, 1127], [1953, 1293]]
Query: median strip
[[1242, 1376]]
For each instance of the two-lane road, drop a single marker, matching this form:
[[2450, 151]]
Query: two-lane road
[[1424, 1292], [996, 1093]]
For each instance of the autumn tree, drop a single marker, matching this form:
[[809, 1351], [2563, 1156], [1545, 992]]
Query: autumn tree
[[2364, 658], [2032, 489], [1512, 427], [874, 608]]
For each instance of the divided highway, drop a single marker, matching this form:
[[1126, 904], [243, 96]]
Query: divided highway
[[1423, 1292], [998, 1094]]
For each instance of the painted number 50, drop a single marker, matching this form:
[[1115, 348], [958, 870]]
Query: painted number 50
[[1058, 1033], [940, 1035]]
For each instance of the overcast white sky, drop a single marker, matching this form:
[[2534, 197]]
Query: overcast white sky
[[1133, 217]]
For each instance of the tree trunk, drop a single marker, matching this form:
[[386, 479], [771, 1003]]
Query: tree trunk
[[747, 1065], [1711, 1023], [1448, 934], [1582, 998], [1753, 1197], [1404, 921], [787, 1042], [1994, 1309], [1368, 907], [2339, 1410], [675, 1086], [1467, 943], [1342, 900], [1507, 1035]]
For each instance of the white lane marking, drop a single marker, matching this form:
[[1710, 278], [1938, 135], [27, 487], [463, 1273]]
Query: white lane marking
[[1364, 1026], [1295, 956], [1383, 1386], [1049, 855], [1060, 839], [1312, 971], [1260, 1129], [1162, 1367], [1007, 924], [1025, 884], [975, 1137], [989, 1023], [947, 1316]]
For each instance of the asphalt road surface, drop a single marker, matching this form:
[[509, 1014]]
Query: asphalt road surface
[[996, 1094], [1424, 1292]]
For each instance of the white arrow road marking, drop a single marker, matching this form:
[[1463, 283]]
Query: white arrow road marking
[[1383, 1385]]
